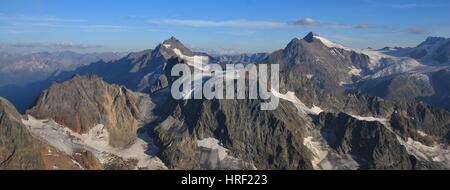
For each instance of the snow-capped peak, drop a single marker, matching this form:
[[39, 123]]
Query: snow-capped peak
[[171, 40], [314, 36], [330, 43], [178, 49]]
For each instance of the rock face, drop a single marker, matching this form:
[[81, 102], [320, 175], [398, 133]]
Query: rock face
[[440, 81], [266, 140], [19, 150], [369, 142], [228, 134], [415, 119], [84, 102], [288, 139], [399, 87], [87, 160]]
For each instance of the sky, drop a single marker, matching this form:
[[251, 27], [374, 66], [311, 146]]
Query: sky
[[225, 26]]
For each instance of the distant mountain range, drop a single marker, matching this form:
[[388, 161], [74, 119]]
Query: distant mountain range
[[242, 58], [25, 68], [433, 51], [340, 108]]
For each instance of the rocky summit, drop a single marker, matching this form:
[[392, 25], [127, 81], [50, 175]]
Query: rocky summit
[[85, 102]]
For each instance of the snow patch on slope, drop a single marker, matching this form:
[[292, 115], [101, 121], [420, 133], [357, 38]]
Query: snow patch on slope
[[95, 141], [319, 153], [326, 158], [213, 143], [384, 121], [197, 61], [331, 44], [437, 153], [225, 160], [421, 133], [384, 65], [380, 63], [290, 96], [375, 57], [397, 65], [355, 71]]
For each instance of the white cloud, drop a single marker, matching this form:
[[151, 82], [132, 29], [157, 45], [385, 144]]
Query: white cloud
[[157, 30], [227, 23], [305, 22], [20, 23], [417, 31], [362, 26], [238, 32], [244, 23], [24, 18], [99, 26], [413, 5], [401, 5]]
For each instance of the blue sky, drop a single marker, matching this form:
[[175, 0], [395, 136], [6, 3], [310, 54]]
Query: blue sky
[[223, 25]]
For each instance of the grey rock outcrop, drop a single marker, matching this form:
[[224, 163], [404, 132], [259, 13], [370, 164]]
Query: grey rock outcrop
[[369, 142], [328, 67], [20, 150], [86, 101], [267, 140]]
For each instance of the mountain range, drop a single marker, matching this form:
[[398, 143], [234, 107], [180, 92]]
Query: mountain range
[[20, 69], [340, 108]]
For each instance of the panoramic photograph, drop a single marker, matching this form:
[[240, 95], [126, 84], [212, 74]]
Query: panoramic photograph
[[224, 85]]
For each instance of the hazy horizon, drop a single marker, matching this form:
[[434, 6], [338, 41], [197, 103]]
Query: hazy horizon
[[237, 27]]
